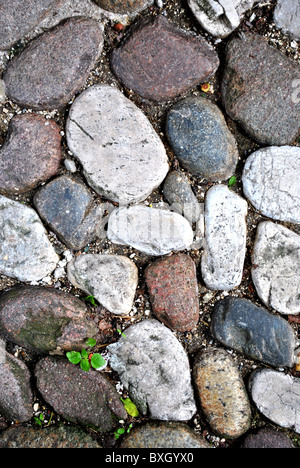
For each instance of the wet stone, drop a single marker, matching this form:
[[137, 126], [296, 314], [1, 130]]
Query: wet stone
[[201, 140], [267, 438], [68, 208], [163, 435], [124, 6], [173, 289], [260, 90], [53, 67], [159, 61], [65, 387], [111, 279], [222, 393], [31, 153], [254, 332], [44, 319]]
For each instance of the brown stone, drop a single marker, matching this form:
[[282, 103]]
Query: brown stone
[[124, 6], [56, 65], [159, 61], [30, 155], [173, 289]]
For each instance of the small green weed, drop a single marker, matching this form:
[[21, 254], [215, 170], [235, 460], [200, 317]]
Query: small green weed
[[86, 359], [232, 181]]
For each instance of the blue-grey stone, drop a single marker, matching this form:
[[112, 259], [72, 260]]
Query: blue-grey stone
[[253, 331], [198, 133]]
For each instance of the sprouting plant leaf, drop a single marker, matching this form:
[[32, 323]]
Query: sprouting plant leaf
[[85, 365], [84, 354], [119, 432], [121, 333], [39, 420], [91, 342], [97, 361], [130, 407], [92, 300], [232, 181], [74, 357]]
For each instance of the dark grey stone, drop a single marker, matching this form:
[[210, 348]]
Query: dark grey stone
[[201, 140], [179, 194], [253, 331], [267, 438]]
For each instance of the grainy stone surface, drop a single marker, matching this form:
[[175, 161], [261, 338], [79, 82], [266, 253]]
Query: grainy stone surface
[[124, 6], [154, 367], [25, 250], [62, 437], [111, 279], [277, 396], [222, 393], [173, 289], [65, 387], [225, 238], [44, 319], [276, 267], [287, 17], [201, 140], [253, 331], [53, 67], [67, 207], [164, 435], [267, 438], [271, 182], [123, 158], [259, 90], [160, 61]]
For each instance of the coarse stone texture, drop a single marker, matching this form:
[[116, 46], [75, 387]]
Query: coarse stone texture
[[84, 398], [276, 267], [62, 437], [277, 396], [163, 435], [222, 393], [201, 140], [267, 438], [150, 230], [69, 210], [130, 7], [260, 90], [155, 369], [53, 67], [122, 156], [220, 17], [17, 18], [159, 61], [253, 331], [225, 238], [16, 396], [173, 289], [25, 250], [111, 279], [271, 182], [287, 17], [44, 319], [31, 153]]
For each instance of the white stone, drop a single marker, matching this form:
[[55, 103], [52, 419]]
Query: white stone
[[149, 230], [111, 279], [277, 396], [224, 246], [220, 17], [25, 250], [276, 267], [154, 368], [122, 156], [271, 182], [287, 17]]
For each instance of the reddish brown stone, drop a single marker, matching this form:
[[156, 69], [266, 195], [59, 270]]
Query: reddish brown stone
[[159, 61], [173, 289], [31, 153]]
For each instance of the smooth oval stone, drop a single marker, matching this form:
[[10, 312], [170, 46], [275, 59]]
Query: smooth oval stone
[[44, 319], [150, 230], [271, 182], [53, 67], [163, 435], [254, 332], [277, 396], [276, 267], [84, 398], [222, 393], [155, 369], [31, 153], [111, 279], [130, 7], [25, 250], [201, 140], [122, 156], [159, 61]]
